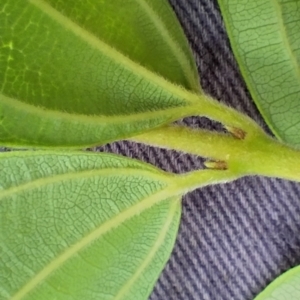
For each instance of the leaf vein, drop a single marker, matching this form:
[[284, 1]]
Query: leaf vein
[[175, 48], [84, 174], [285, 39], [158, 243], [104, 228]]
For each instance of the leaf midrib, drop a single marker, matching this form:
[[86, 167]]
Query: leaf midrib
[[285, 39], [121, 217], [147, 260], [136, 164], [90, 119], [109, 51], [47, 115], [109, 172]]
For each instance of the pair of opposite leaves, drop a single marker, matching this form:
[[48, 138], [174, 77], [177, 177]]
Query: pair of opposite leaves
[[69, 78], [79, 225]]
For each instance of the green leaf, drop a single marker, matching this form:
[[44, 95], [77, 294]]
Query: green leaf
[[83, 226], [286, 286], [87, 226], [265, 37], [79, 73]]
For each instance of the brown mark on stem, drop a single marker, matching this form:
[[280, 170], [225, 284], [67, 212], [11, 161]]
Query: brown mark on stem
[[237, 132], [216, 164]]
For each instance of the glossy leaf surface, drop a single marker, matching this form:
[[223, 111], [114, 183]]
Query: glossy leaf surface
[[265, 37], [83, 226], [286, 286], [78, 73]]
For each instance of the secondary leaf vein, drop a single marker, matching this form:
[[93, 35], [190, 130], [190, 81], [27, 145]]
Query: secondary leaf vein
[[285, 39], [107, 50], [104, 228], [175, 48]]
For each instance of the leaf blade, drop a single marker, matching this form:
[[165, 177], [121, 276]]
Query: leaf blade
[[265, 41], [100, 75], [122, 293], [174, 39], [87, 226], [286, 286], [156, 227]]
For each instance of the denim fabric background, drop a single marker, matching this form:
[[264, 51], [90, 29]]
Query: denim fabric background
[[234, 238]]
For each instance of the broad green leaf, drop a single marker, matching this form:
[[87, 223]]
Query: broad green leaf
[[265, 37], [83, 226], [87, 226], [79, 73], [286, 286]]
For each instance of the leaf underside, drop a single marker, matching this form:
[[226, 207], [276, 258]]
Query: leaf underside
[[265, 37], [83, 226], [286, 286], [79, 73]]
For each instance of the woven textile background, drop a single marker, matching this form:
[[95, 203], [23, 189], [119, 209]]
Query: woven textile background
[[234, 238]]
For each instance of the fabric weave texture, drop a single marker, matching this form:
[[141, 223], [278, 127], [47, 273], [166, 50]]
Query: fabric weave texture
[[234, 238]]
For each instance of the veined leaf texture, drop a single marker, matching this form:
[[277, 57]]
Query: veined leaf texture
[[81, 73], [265, 37]]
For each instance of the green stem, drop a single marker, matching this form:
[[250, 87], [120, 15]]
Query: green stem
[[256, 154], [199, 142], [203, 105], [267, 157]]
